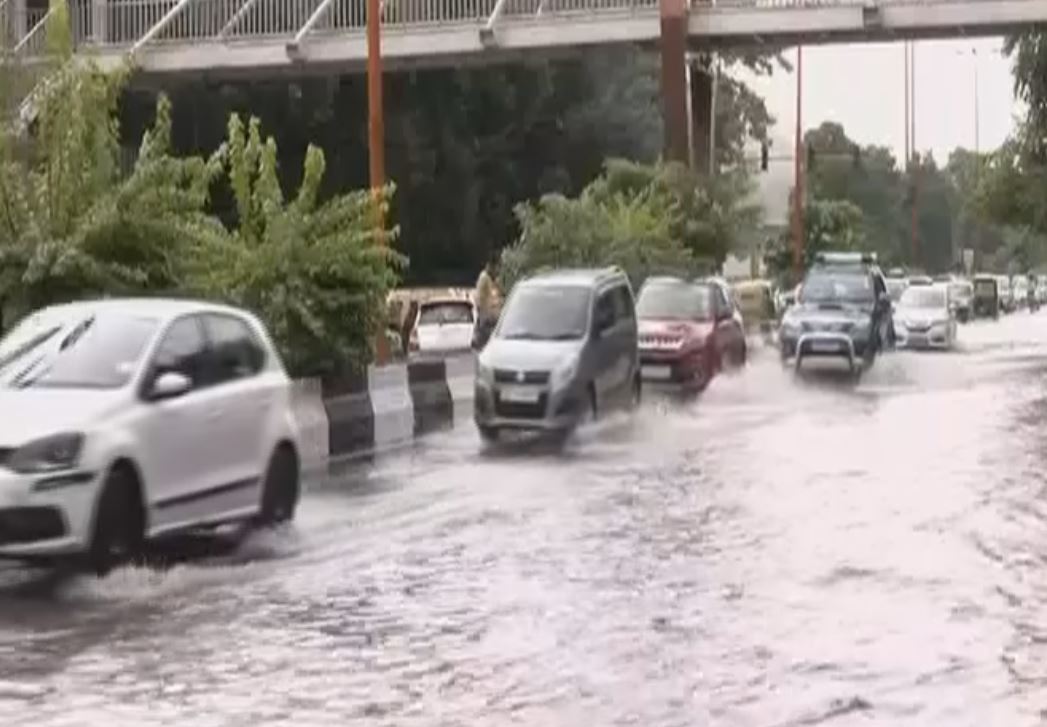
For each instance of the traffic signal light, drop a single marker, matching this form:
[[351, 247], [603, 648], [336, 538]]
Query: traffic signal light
[[764, 157]]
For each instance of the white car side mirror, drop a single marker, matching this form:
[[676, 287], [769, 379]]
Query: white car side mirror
[[170, 385]]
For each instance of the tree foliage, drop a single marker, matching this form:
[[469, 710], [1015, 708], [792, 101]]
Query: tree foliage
[[829, 225], [645, 218], [74, 225], [465, 145], [949, 202], [318, 273]]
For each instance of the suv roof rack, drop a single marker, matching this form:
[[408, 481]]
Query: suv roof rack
[[845, 258]]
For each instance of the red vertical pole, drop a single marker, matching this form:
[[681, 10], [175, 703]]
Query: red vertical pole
[[376, 137], [908, 148], [798, 186], [915, 166]]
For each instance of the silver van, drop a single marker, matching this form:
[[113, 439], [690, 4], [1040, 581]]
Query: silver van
[[564, 350]]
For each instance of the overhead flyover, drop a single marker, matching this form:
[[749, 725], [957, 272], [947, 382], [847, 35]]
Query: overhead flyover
[[250, 36]]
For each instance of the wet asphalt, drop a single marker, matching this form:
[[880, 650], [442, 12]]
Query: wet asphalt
[[778, 551]]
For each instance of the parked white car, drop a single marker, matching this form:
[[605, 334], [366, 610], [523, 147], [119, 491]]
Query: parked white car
[[924, 318], [126, 420], [444, 325]]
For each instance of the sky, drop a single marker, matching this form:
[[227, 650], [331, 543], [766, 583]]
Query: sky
[[862, 87]]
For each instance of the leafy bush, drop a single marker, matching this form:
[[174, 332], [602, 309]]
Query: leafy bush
[[317, 273], [829, 225], [645, 219], [71, 226]]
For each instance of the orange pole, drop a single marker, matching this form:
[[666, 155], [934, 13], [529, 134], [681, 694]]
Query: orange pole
[[376, 126], [915, 166], [798, 191], [376, 138], [908, 149]]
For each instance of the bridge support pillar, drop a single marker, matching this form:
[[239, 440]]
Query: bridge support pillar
[[675, 91], [701, 94]]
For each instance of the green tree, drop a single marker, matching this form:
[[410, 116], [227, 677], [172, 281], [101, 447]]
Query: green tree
[[829, 225], [874, 184], [610, 223], [70, 224], [317, 272]]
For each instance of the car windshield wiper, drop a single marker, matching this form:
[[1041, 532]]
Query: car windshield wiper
[[28, 346]]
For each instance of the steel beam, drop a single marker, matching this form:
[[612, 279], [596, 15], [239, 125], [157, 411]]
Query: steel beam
[[294, 50], [33, 31], [159, 26], [487, 32], [237, 17]]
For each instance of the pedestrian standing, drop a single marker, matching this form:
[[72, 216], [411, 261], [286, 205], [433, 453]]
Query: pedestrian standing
[[486, 297]]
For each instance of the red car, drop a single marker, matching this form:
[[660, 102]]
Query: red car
[[688, 330]]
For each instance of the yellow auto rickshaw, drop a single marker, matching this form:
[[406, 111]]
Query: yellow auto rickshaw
[[756, 303]]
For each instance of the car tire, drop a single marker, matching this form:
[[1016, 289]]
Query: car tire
[[280, 489], [636, 393], [489, 435], [589, 413], [119, 528], [700, 378]]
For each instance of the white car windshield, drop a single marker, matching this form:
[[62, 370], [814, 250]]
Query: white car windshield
[[86, 350], [923, 297], [546, 313]]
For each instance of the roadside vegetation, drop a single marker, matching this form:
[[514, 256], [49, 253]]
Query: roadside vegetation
[[74, 222]]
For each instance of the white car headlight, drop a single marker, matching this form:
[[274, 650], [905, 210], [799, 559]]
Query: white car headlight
[[484, 372], [790, 326], [563, 373], [49, 454]]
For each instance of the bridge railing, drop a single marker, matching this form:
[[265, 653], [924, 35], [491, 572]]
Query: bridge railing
[[121, 23]]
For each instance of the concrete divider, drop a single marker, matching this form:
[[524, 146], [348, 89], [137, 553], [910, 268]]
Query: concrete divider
[[388, 408]]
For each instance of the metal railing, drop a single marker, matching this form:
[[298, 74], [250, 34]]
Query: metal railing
[[121, 24]]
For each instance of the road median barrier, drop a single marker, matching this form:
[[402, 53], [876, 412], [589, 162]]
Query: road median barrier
[[386, 409]]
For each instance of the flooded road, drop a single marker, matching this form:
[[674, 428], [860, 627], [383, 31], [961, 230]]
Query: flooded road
[[780, 552]]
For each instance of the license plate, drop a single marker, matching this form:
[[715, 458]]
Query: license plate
[[660, 373], [520, 394], [825, 346]]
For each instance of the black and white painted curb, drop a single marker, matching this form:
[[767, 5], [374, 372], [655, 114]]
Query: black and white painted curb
[[397, 404]]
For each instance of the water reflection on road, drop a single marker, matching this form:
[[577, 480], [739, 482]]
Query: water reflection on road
[[780, 552]]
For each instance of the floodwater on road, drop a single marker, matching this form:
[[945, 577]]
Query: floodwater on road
[[781, 551]]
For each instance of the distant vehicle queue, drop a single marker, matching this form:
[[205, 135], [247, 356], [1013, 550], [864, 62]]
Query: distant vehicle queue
[[568, 346]]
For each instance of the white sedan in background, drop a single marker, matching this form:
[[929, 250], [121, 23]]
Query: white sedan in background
[[924, 318], [127, 420]]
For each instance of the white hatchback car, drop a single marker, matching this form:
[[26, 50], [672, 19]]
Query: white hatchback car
[[129, 419]]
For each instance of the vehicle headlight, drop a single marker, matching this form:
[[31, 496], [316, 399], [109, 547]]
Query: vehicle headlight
[[563, 373], [862, 327], [49, 454], [790, 328]]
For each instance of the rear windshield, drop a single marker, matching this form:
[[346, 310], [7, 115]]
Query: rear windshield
[[895, 288], [837, 286], [675, 301], [446, 312], [923, 297], [546, 313]]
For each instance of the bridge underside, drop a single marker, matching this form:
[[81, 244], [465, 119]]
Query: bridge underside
[[564, 28]]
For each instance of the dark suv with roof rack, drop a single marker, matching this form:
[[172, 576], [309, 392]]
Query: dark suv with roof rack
[[843, 310]]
